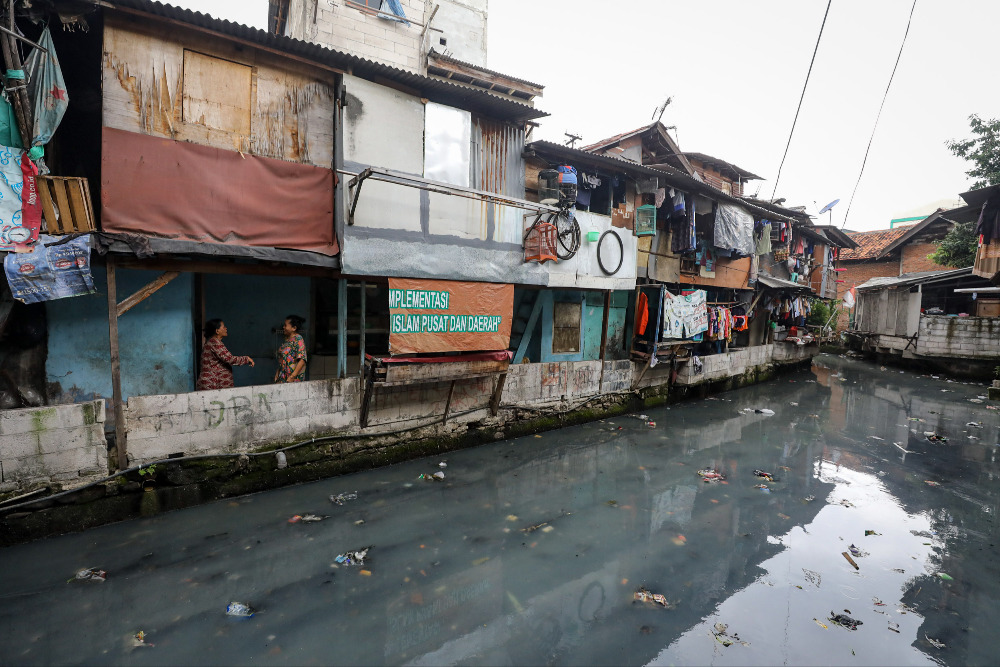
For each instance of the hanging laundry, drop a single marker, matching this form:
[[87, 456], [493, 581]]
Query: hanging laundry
[[764, 238], [661, 196]]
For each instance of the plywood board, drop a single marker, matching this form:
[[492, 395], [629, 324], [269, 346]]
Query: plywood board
[[218, 93]]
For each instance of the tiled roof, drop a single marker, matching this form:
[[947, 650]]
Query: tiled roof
[[870, 244]]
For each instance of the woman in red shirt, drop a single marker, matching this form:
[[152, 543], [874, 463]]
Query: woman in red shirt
[[216, 361]]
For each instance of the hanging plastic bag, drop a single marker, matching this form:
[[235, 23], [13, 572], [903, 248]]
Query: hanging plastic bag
[[47, 90]]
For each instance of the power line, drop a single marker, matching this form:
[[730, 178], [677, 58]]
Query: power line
[[801, 97], [872, 138]]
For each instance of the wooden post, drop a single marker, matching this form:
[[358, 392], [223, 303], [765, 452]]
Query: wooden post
[[199, 320], [19, 93], [361, 341], [366, 400], [342, 328], [604, 336], [447, 405], [116, 370], [497, 394]]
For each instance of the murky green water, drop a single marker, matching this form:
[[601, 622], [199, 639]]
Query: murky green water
[[530, 551]]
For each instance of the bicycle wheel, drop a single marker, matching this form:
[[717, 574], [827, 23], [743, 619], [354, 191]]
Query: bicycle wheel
[[601, 257], [568, 231]]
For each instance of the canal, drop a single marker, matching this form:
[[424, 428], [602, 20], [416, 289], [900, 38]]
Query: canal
[[530, 551]]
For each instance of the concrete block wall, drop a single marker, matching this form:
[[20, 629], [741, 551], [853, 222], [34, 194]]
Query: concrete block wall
[[58, 443], [737, 362], [232, 420], [962, 337]]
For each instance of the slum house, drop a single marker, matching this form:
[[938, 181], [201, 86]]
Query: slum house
[[927, 317], [263, 211], [886, 253], [704, 249]]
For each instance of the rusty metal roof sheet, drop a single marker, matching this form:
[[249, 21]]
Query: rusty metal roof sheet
[[739, 171], [452, 94]]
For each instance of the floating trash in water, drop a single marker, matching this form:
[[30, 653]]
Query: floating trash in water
[[845, 502], [929, 482], [809, 499], [342, 498], [975, 400], [875, 437], [711, 475], [934, 437], [946, 577], [721, 633], [762, 487], [766, 475], [845, 621], [933, 642], [877, 602], [856, 552], [894, 627], [436, 477], [443, 464], [356, 557], [642, 595], [240, 609], [359, 522], [307, 518], [90, 574], [871, 532], [139, 639], [899, 570], [850, 560], [821, 624], [975, 424]]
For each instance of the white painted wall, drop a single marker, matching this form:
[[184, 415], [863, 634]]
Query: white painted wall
[[463, 25], [582, 270], [59, 443]]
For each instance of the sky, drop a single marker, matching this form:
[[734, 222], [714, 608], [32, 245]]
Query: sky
[[735, 70]]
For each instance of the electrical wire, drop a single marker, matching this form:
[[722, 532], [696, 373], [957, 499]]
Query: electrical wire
[[877, 117], [801, 97]]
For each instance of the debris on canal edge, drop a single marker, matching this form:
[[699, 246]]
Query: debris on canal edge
[[850, 560]]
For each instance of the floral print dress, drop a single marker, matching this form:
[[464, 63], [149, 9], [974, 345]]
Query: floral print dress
[[289, 354], [217, 365]]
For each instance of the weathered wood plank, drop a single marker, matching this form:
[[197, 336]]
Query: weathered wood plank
[[442, 372], [146, 291]]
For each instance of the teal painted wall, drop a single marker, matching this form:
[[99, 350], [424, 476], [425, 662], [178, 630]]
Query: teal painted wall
[[251, 306], [155, 341]]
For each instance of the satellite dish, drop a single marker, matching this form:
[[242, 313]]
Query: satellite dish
[[829, 206], [658, 111]]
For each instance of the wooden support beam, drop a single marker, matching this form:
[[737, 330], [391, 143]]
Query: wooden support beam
[[522, 348], [342, 328], [366, 400], [121, 437], [223, 267], [643, 373], [361, 342], [145, 292], [604, 335], [447, 405], [497, 394]]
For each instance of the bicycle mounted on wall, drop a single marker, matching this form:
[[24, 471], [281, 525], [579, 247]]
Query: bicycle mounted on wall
[[556, 187]]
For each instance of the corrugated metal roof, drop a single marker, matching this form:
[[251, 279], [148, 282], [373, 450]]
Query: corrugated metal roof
[[917, 278], [779, 283], [451, 59], [837, 236], [452, 94], [673, 177], [739, 171], [978, 197]]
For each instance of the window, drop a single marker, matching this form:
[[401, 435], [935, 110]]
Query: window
[[447, 144], [388, 9], [566, 320], [217, 93], [277, 17], [604, 197]]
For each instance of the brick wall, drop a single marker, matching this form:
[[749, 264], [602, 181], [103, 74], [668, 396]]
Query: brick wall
[[858, 273], [962, 337], [59, 443], [915, 258], [344, 27]]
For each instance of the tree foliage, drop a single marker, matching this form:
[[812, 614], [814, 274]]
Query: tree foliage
[[958, 248], [982, 150]]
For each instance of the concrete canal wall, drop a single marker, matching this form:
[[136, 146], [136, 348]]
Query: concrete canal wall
[[213, 444], [959, 345]]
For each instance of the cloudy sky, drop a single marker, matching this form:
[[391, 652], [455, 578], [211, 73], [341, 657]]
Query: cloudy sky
[[735, 71]]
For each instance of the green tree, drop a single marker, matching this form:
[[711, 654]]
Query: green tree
[[982, 150], [958, 248]]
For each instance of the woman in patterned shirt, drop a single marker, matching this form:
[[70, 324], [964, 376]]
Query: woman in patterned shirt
[[216, 361], [292, 353]]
